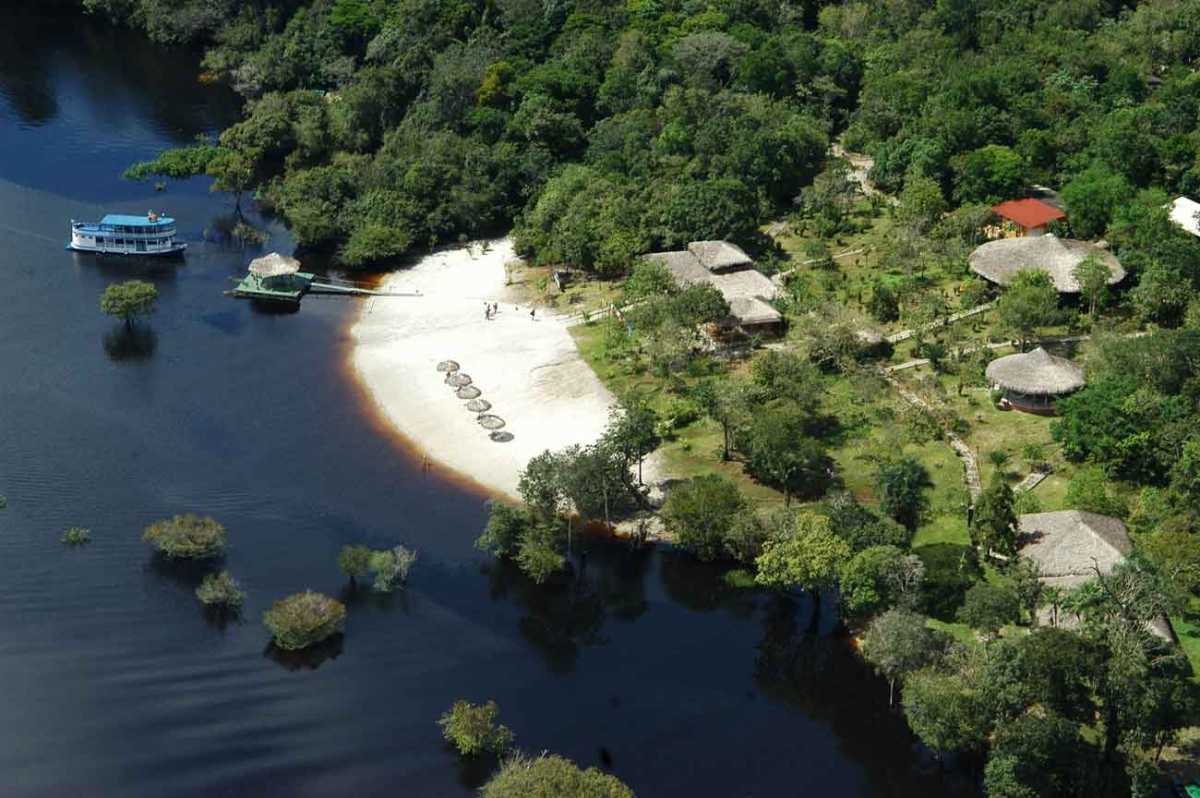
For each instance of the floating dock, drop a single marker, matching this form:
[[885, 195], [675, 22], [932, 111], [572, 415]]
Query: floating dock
[[276, 278]]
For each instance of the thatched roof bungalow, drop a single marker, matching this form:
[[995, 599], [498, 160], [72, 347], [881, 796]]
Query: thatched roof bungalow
[[727, 268], [1000, 261], [1070, 546], [1032, 381]]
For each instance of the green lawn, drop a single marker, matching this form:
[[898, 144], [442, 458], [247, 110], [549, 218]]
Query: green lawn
[[1188, 630]]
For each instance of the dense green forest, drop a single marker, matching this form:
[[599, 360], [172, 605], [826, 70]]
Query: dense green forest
[[377, 126], [598, 130]]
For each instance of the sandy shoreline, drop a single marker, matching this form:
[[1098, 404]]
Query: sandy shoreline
[[530, 370]]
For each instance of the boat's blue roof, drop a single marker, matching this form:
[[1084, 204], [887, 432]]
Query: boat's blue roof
[[135, 221]]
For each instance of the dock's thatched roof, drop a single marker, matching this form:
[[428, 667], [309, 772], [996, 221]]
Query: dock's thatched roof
[[719, 256], [1069, 545], [274, 265], [1000, 261], [1036, 373]]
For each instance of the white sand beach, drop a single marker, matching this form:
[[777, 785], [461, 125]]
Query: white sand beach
[[530, 370]]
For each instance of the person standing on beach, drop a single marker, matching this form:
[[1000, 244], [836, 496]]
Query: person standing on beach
[[532, 311]]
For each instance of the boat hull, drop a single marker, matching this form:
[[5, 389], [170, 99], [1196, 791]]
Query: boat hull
[[174, 249]]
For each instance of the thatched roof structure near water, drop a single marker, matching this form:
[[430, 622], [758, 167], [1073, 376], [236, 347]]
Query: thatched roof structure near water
[[1000, 261], [1036, 373], [1069, 545], [274, 265]]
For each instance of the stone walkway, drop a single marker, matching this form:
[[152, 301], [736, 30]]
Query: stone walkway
[[969, 461], [904, 335]]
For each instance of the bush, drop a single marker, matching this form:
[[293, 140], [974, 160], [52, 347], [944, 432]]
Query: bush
[[949, 571], [187, 537], [472, 728], [700, 513], [220, 590], [988, 607], [391, 567], [76, 536], [551, 776], [354, 561], [302, 619]]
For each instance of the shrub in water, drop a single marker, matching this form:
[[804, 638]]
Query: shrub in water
[[77, 536], [551, 776], [220, 590], [303, 619], [391, 567], [187, 537], [472, 728]]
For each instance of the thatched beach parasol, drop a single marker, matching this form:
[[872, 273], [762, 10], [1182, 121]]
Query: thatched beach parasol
[[1000, 261], [1036, 373], [274, 265]]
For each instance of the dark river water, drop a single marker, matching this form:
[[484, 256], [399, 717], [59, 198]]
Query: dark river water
[[116, 683]]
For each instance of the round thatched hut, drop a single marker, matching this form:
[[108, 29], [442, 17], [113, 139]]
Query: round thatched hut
[[1032, 381], [1000, 261]]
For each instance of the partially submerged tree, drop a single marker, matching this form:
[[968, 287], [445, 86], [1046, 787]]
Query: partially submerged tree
[[76, 536], [220, 590], [807, 556], [551, 776], [304, 619], [187, 536], [472, 728], [128, 300], [355, 562], [391, 567], [898, 643], [700, 513]]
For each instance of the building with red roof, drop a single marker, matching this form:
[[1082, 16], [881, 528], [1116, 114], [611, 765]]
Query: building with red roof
[[1030, 216]]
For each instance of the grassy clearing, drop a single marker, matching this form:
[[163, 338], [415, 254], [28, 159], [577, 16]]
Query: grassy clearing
[[693, 448], [1188, 629]]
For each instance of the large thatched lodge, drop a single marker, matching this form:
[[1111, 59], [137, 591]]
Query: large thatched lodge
[[1071, 547], [1000, 261], [731, 271], [1034, 381]]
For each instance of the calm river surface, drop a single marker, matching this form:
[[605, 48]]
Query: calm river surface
[[116, 683]]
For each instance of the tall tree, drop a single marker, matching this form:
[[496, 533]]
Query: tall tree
[[1092, 274], [899, 642], [128, 300], [994, 525], [807, 556], [1027, 305]]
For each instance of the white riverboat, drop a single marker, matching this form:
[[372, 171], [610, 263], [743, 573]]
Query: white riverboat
[[122, 234]]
